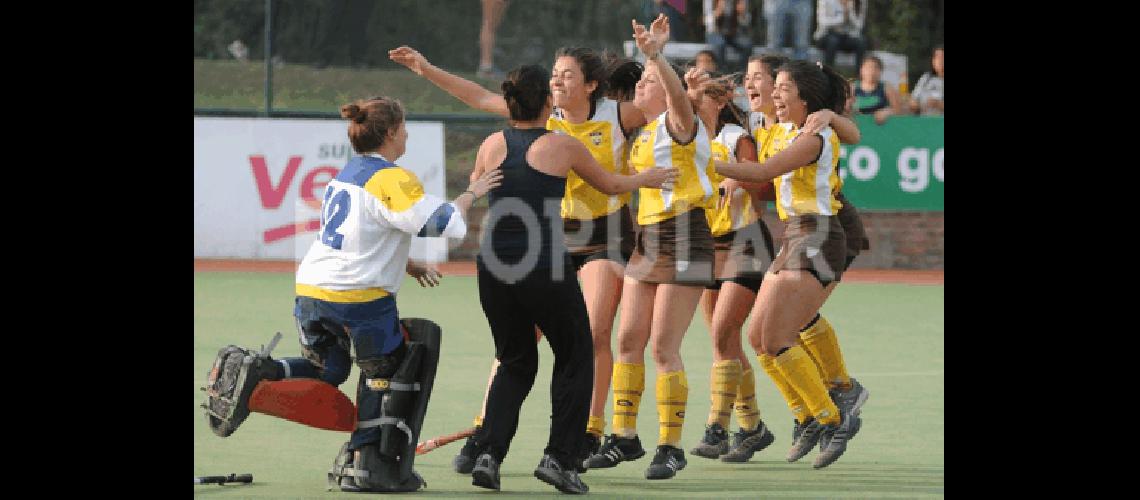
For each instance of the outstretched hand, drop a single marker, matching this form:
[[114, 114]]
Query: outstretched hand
[[425, 274], [652, 41], [486, 182], [659, 177], [409, 58]]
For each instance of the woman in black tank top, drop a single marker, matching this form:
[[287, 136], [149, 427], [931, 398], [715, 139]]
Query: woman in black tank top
[[524, 193], [526, 281]]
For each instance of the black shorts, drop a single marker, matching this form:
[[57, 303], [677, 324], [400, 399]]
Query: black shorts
[[611, 237]]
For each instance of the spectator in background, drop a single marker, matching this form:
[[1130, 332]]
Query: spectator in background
[[675, 11], [729, 22], [839, 25], [799, 11], [492, 15], [705, 61], [927, 99], [872, 97]]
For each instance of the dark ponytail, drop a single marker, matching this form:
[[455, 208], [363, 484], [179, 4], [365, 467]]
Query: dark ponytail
[[525, 91], [820, 86]]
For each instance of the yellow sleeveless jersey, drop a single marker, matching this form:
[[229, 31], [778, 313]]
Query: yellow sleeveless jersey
[[738, 212], [809, 189], [693, 187], [603, 136]]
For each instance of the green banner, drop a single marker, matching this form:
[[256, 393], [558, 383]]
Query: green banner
[[896, 166]]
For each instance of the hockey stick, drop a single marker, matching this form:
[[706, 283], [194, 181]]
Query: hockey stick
[[436, 442], [232, 478]]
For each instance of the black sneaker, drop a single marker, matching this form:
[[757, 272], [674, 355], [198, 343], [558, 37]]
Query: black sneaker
[[666, 463], [615, 451], [485, 474], [551, 472], [809, 437], [465, 460], [748, 443], [589, 448], [714, 444], [834, 438]]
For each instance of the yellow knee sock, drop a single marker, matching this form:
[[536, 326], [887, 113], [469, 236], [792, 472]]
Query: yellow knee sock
[[796, 403], [747, 413], [672, 396], [628, 382], [723, 388], [802, 375], [821, 342], [596, 426]]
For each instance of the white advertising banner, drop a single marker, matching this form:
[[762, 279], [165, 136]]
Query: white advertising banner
[[258, 183]]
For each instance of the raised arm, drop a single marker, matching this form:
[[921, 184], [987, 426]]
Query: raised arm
[[471, 93], [802, 151], [682, 120], [584, 164]]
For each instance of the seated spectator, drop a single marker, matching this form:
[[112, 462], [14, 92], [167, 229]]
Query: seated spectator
[[705, 61], [728, 23], [927, 98], [840, 27], [871, 95]]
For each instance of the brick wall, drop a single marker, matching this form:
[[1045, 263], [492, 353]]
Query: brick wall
[[899, 240]]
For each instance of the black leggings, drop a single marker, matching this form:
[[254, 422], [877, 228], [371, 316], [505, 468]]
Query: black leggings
[[512, 312]]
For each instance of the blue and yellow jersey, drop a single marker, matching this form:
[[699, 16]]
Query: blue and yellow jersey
[[738, 212], [368, 217], [809, 189], [602, 135], [693, 187]]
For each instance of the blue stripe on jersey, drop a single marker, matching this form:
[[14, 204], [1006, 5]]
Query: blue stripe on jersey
[[437, 222], [361, 168]]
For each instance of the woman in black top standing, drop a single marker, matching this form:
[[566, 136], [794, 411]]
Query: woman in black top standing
[[526, 279]]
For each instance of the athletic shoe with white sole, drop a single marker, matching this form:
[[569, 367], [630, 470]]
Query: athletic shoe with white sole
[[666, 463]]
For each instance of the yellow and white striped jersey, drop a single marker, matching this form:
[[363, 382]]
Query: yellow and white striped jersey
[[368, 217], [738, 212], [693, 187], [602, 135], [809, 189]]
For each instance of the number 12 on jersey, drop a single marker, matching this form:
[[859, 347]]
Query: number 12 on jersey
[[334, 209]]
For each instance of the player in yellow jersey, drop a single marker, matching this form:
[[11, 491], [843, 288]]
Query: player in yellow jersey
[[743, 250], [598, 227], [671, 262], [812, 258], [817, 336]]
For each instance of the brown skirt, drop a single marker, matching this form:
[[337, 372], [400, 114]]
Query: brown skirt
[[608, 237], [814, 243], [857, 240], [674, 251]]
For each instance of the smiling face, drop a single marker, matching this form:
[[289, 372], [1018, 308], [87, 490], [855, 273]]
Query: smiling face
[[568, 84], [649, 93], [790, 107], [758, 84]]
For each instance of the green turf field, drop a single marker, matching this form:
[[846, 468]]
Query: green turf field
[[892, 338]]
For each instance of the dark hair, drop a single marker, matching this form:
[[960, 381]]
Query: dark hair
[[370, 121], [819, 85], [720, 88], [876, 59], [770, 61], [711, 54], [623, 77], [592, 66], [525, 91]]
